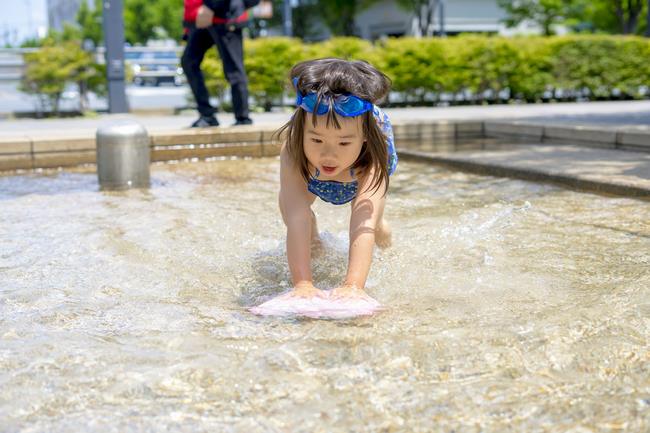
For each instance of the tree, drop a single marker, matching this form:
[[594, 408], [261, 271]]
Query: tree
[[143, 20], [50, 69], [61, 61], [90, 22], [306, 19], [647, 24], [627, 12], [613, 16], [139, 21], [339, 14], [168, 17], [45, 76], [545, 13], [423, 12]]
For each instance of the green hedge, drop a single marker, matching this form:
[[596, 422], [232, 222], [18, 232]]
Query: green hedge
[[269, 60], [464, 69]]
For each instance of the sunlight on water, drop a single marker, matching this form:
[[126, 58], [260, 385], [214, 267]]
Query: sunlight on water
[[513, 306]]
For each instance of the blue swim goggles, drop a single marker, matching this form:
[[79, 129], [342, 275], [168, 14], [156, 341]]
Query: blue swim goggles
[[345, 105]]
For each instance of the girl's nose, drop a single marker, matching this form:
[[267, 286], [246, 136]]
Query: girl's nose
[[327, 150]]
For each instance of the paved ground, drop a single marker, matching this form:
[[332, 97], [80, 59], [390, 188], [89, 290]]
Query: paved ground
[[601, 170], [612, 171]]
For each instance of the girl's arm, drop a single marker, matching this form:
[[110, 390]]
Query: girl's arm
[[367, 211], [295, 202]]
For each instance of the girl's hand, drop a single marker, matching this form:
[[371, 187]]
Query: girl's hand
[[349, 291], [305, 290]]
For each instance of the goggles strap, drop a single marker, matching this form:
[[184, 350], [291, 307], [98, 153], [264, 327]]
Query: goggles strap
[[339, 108]]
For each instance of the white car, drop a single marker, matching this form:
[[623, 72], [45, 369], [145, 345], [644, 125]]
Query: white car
[[153, 66]]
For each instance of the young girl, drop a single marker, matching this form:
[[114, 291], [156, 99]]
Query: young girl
[[339, 147]]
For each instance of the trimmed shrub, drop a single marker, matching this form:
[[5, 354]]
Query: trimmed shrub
[[417, 67], [347, 48], [464, 69], [600, 67], [533, 78], [267, 63], [50, 69], [215, 80]]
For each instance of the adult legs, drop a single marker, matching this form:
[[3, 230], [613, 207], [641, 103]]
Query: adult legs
[[231, 50], [199, 41]]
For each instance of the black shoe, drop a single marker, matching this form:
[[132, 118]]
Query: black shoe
[[245, 121], [205, 121]]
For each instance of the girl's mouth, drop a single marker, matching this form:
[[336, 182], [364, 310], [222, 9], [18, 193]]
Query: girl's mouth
[[329, 170]]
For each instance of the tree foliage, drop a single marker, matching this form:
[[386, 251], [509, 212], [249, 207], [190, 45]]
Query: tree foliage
[[545, 13], [647, 22], [424, 12], [615, 16], [608, 16], [309, 16], [90, 22], [306, 20], [139, 21], [339, 14], [415, 66], [424, 71], [144, 20], [268, 62], [627, 12], [59, 62], [169, 19]]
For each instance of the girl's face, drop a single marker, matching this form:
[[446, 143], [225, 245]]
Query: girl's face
[[332, 150]]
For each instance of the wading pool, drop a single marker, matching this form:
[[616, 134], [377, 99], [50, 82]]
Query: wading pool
[[513, 306]]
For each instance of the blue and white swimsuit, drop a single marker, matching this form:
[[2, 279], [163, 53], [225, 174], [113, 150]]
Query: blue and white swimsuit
[[338, 193]]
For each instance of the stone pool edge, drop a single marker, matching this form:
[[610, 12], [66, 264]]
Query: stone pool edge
[[476, 163], [68, 150]]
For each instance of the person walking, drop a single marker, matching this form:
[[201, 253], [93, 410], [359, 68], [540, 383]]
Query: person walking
[[220, 23]]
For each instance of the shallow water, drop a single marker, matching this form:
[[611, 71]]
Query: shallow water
[[513, 306]]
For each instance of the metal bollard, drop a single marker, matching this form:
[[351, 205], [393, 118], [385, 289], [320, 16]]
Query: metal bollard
[[123, 156]]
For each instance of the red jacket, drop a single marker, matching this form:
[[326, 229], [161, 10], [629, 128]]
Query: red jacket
[[225, 12]]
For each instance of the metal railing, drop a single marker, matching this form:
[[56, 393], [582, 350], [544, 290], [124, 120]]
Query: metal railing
[[12, 64]]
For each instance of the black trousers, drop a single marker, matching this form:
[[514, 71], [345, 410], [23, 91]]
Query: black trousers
[[231, 50]]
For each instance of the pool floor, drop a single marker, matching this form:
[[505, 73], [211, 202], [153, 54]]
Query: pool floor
[[512, 306]]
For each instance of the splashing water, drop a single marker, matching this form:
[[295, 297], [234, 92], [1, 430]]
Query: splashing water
[[513, 306]]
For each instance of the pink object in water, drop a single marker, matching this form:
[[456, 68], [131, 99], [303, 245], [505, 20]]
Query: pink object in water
[[325, 307]]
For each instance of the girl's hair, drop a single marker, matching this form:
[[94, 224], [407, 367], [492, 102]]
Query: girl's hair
[[330, 77]]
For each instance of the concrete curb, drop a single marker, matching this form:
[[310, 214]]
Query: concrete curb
[[70, 150], [422, 140], [637, 139], [28, 152]]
